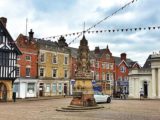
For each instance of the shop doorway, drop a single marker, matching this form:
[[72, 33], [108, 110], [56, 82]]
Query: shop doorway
[[145, 86], [41, 89], [3, 92]]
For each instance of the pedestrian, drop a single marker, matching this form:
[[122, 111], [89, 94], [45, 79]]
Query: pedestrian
[[141, 93], [121, 94], [124, 94]]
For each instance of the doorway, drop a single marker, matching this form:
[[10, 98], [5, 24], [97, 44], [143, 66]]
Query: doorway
[[65, 88], [145, 86], [41, 89], [3, 92]]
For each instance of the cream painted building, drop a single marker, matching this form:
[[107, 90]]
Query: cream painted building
[[53, 68], [147, 78]]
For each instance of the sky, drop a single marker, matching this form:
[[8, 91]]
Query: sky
[[58, 17]]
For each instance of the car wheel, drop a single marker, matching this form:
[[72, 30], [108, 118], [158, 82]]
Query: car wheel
[[108, 100]]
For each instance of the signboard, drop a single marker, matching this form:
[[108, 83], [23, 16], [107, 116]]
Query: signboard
[[93, 82], [73, 81], [122, 83]]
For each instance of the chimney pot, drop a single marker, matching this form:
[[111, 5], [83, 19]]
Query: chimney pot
[[96, 51], [123, 56], [4, 21], [31, 35]]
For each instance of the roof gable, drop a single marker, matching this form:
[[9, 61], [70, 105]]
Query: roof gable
[[123, 61], [10, 40]]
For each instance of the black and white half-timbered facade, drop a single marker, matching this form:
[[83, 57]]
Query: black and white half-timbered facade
[[8, 59]]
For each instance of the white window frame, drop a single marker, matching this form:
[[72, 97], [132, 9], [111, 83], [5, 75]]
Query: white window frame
[[18, 68], [48, 87], [65, 73], [108, 56], [40, 71], [123, 69], [107, 65], [41, 57], [53, 72], [108, 76], [29, 72], [54, 85], [54, 56], [65, 60], [33, 89], [28, 56]]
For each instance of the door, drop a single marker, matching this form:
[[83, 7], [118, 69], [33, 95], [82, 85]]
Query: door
[[65, 88], [41, 87], [145, 85], [3, 92]]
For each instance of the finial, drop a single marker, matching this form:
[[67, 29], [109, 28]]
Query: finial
[[83, 28], [107, 46]]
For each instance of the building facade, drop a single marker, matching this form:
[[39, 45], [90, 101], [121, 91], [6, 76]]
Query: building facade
[[53, 68], [146, 78], [8, 59], [102, 66], [121, 83], [27, 67]]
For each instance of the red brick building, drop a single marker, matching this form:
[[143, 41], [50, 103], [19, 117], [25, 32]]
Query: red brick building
[[121, 73], [27, 71], [102, 66]]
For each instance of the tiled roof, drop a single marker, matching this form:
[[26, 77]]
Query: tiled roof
[[147, 64], [74, 52]]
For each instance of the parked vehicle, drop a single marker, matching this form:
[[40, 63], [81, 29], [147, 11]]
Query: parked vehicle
[[100, 97]]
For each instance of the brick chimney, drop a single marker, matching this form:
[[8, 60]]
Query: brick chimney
[[31, 35], [4, 21], [123, 56], [96, 51]]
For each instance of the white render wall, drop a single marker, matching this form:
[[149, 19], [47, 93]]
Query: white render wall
[[136, 81], [151, 76], [135, 85], [22, 88]]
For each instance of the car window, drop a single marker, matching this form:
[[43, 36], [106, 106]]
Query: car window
[[97, 93]]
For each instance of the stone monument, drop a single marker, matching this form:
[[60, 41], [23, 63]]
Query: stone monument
[[83, 89]]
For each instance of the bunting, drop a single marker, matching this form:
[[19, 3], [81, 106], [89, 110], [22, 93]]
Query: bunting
[[108, 30]]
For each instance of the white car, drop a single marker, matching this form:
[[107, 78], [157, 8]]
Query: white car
[[100, 97]]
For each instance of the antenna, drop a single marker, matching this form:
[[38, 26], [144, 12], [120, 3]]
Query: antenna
[[83, 28], [26, 25]]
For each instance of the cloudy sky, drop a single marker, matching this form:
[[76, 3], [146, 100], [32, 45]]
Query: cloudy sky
[[56, 17]]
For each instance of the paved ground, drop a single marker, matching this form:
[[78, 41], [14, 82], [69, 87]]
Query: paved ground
[[45, 110]]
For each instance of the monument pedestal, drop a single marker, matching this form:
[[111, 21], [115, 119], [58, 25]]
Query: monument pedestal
[[83, 94], [85, 100]]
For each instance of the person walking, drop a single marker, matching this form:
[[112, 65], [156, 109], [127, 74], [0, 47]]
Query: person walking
[[124, 94], [141, 94]]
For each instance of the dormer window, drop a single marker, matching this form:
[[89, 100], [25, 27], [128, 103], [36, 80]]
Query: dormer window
[[107, 56], [123, 69]]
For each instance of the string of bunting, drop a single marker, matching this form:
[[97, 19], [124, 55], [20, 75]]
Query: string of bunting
[[93, 26], [111, 30]]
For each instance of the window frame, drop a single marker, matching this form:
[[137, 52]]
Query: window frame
[[53, 73], [28, 56], [29, 72]]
